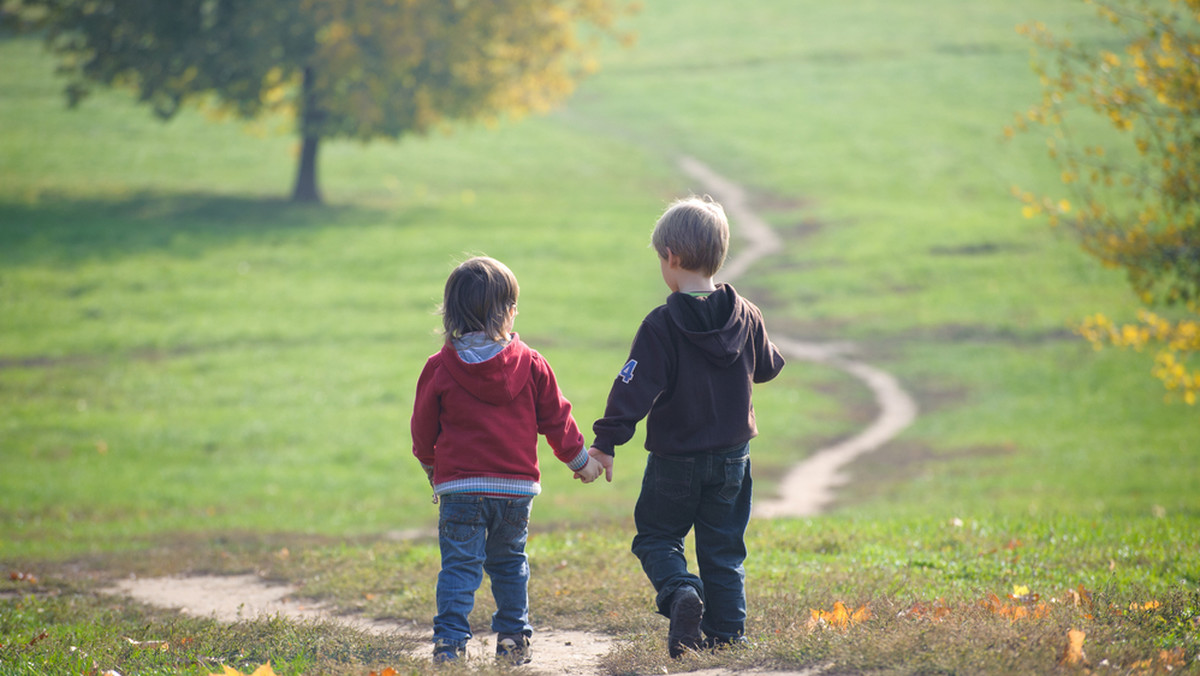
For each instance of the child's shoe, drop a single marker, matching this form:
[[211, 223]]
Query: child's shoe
[[444, 652], [513, 649], [687, 610]]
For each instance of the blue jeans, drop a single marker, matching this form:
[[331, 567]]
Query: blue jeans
[[478, 533], [712, 494]]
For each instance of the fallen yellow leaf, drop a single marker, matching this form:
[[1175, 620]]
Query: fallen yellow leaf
[[262, 670], [1149, 605], [1028, 608], [1080, 596], [861, 615], [1172, 659], [841, 617], [936, 611], [1073, 653]]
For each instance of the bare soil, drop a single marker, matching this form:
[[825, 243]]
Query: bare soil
[[806, 490], [238, 597]]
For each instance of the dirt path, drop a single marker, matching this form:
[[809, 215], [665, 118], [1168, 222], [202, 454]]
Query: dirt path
[[237, 597], [805, 490]]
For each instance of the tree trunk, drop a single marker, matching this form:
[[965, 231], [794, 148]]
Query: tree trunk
[[306, 190], [306, 175]]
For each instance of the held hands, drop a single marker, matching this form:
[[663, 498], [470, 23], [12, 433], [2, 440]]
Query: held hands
[[605, 460], [589, 472], [598, 462]]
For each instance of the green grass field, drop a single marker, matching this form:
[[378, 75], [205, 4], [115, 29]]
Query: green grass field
[[195, 374]]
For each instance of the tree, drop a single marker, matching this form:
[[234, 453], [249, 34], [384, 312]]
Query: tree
[[358, 69], [1136, 194]]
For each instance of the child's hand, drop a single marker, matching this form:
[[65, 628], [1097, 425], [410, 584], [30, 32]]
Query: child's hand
[[590, 472], [605, 460]]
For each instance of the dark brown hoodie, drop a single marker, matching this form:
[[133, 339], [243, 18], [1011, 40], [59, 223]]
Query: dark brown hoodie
[[690, 373]]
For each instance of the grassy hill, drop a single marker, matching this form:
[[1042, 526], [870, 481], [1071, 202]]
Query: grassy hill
[[194, 373]]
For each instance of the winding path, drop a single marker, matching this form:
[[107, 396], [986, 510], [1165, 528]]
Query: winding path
[[809, 486], [805, 490]]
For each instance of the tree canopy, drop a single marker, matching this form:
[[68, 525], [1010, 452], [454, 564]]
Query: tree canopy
[[358, 69], [1134, 196]]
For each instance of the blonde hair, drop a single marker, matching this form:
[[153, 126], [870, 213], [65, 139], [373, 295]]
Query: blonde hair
[[696, 230], [480, 293]]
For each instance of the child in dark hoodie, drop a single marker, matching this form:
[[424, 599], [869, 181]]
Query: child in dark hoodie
[[690, 370], [481, 402]]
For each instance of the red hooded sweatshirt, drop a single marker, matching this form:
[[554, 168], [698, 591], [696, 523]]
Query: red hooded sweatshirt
[[477, 425]]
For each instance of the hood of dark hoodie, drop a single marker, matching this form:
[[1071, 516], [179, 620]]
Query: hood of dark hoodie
[[496, 381], [717, 324]]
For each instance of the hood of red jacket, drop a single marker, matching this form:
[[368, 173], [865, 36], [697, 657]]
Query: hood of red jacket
[[495, 381]]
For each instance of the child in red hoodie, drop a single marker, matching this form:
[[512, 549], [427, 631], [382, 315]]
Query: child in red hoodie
[[481, 402]]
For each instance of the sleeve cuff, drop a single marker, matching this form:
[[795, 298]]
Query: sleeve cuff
[[580, 460]]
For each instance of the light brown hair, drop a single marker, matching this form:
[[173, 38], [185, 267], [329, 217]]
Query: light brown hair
[[696, 230], [479, 295]]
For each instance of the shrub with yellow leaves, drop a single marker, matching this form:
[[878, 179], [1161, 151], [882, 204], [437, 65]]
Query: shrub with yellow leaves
[[1137, 202], [1175, 341]]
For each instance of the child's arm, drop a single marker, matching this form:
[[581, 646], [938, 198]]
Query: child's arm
[[554, 418], [768, 360], [639, 383], [425, 425]]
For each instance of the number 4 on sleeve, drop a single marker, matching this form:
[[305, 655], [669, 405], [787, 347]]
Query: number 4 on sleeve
[[626, 373]]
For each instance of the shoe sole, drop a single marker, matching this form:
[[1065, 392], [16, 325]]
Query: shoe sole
[[684, 633]]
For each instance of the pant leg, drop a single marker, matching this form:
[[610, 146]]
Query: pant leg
[[721, 520], [663, 516], [507, 564], [462, 535]]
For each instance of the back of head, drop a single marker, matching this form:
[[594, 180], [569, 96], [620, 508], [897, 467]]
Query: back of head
[[696, 230], [480, 293]]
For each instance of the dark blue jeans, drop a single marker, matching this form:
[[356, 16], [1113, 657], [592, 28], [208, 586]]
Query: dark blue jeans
[[476, 534], [710, 493]]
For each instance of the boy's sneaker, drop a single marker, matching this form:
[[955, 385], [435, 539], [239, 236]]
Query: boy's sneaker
[[444, 652], [513, 649], [686, 612]]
